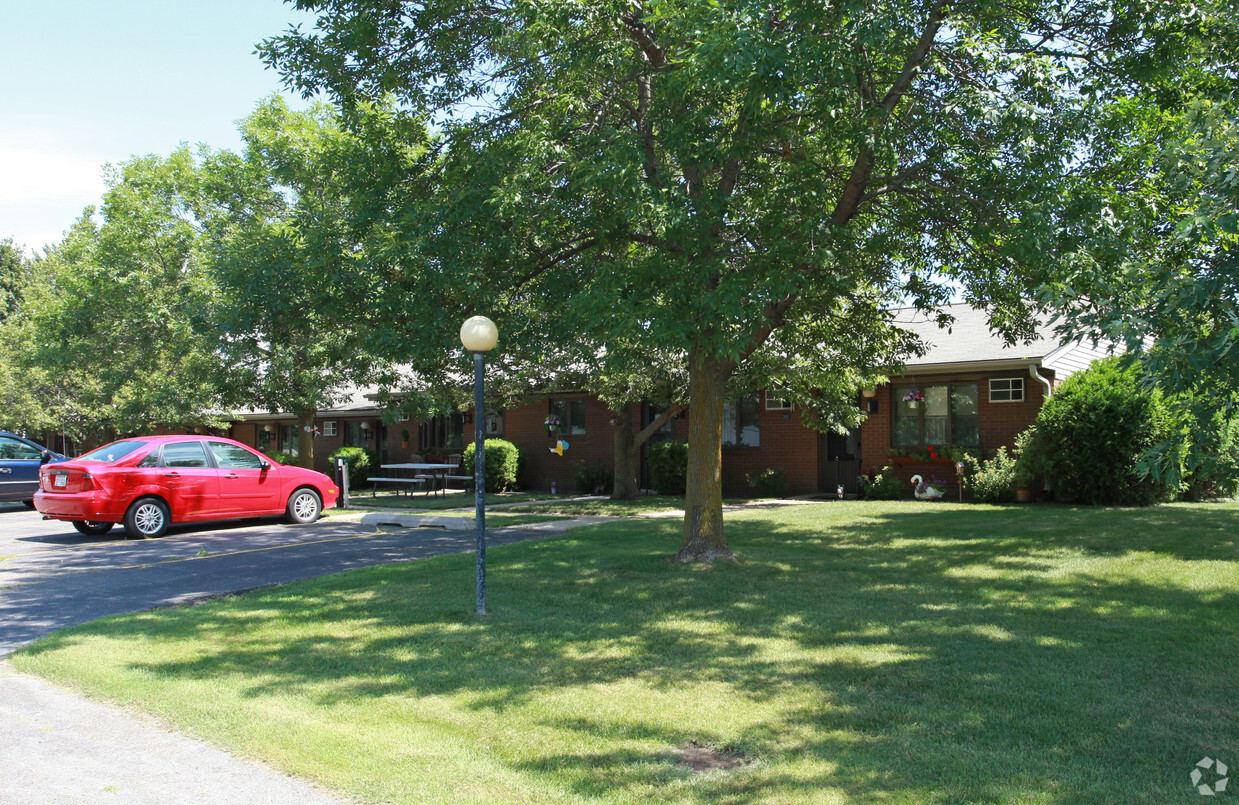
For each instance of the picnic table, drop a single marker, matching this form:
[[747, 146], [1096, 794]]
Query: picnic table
[[436, 474]]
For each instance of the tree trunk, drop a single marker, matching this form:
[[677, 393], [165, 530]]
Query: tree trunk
[[627, 449], [305, 437], [703, 504]]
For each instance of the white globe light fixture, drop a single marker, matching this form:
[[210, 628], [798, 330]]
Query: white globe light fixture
[[479, 335]]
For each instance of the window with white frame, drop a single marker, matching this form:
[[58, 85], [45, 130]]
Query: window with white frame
[[329, 428], [1006, 389], [774, 403]]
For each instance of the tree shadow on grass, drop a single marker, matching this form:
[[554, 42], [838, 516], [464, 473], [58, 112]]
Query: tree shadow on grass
[[901, 654]]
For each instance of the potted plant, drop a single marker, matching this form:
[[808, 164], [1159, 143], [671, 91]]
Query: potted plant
[[404, 438], [913, 397]]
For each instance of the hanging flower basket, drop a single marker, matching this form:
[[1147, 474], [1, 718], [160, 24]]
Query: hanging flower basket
[[552, 425], [913, 397]]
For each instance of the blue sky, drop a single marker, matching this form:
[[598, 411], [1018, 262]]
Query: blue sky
[[87, 83]]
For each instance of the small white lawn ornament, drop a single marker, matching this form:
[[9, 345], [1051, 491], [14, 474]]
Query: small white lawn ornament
[[925, 490]]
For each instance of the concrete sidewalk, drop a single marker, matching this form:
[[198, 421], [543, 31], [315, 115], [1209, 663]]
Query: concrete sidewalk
[[60, 748]]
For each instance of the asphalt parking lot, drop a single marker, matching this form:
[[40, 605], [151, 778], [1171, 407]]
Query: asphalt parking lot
[[52, 577]]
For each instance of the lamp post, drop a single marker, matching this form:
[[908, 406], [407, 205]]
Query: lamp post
[[479, 335]]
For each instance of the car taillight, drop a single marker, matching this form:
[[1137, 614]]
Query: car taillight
[[87, 482]]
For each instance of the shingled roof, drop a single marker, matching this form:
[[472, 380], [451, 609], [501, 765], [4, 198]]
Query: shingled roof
[[969, 343]]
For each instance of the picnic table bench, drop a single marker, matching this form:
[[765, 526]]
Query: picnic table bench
[[412, 482], [425, 472]]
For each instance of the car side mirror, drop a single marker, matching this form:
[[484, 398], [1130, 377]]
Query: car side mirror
[[45, 457], [266, 465]]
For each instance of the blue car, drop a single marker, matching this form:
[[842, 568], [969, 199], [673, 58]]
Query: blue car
[[20, 460]]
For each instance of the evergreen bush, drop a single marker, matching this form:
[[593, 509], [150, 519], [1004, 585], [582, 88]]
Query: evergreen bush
[[769, 483], [1216, 465], [592, 479], [280, 457], [362, 463], [502, 464], [669, 467], [1092, 432]]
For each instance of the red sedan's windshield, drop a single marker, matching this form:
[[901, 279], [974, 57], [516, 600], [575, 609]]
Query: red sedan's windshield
[[113, 452]]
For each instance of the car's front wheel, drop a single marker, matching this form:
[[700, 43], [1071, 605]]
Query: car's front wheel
[[91, 528], [147, 518], [304, 506]]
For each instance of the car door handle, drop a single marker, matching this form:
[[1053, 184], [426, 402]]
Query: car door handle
[[172, 475], [6, 470], [232, 476]]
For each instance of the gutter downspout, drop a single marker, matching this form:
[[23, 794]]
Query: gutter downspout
[[1032, 370]]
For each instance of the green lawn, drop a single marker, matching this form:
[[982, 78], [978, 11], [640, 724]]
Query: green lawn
[[606, 508], [393, 499], [864, 652]]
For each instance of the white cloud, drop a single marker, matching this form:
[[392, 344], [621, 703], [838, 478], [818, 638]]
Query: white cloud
[[30, 175]]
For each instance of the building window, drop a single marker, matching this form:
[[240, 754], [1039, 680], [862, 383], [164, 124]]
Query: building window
[[329, 428], [777, 403], [442, 433], [288, 439], [655, 411], [354, 436], [571, 416], [944, 415], [742, 421], [1007, 389]]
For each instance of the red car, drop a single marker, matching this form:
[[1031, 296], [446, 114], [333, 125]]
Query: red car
[[151, 482]]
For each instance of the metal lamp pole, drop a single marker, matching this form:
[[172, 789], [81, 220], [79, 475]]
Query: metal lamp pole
[[479, 335]]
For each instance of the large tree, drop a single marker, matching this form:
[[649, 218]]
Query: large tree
[[111, 328], [14, 277], [1155, 265], [286, 240], [743, 181]]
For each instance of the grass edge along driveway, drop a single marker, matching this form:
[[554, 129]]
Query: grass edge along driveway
[[865, 652]]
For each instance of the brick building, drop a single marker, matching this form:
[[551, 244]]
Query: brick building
[[968, 390]]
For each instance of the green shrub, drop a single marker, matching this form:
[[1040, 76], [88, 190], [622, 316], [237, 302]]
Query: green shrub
[[362, 463], [592, 479], [992, 481], [502, 464], [669, 467], [280, 457], [769, 483], [1093, 431], [884, 484], [1216, 465]]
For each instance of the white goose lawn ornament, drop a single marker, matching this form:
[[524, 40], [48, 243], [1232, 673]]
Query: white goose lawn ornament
[[924, 491]]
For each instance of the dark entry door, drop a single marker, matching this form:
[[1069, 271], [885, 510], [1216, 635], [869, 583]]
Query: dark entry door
[[840, 462]]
